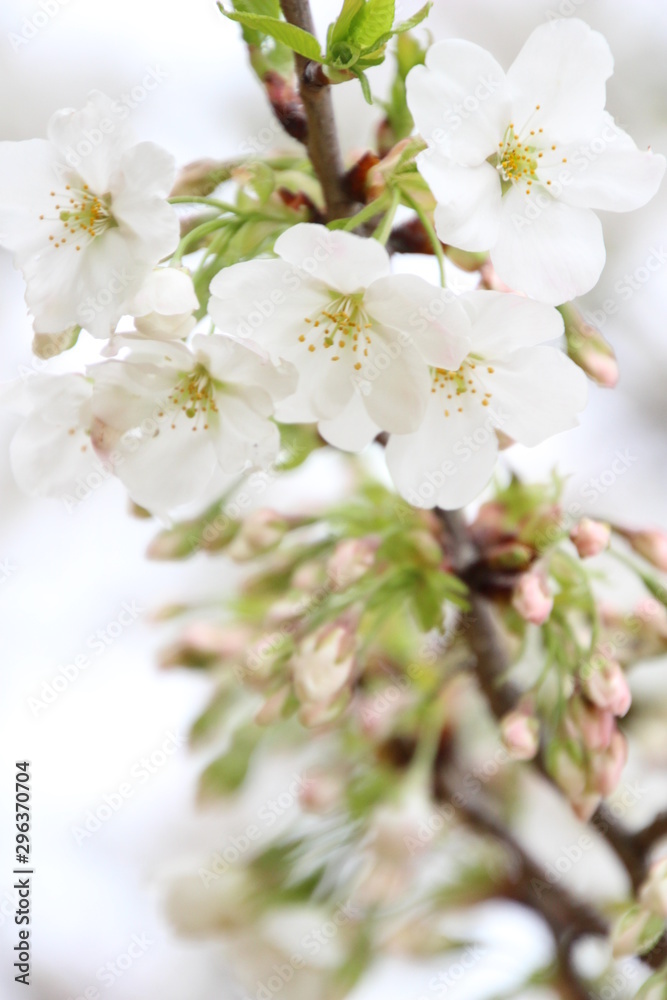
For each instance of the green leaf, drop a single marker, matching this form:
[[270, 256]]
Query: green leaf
[[416, 19], [340, 29], [365, 86], [295, 38], [374, 20], [227, 773]]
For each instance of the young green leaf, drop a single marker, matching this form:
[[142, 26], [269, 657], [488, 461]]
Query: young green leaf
[[413, 21], [374, 20], [297, 39], [341, 28]]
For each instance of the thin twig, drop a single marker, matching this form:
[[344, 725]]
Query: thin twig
[[323, 147]]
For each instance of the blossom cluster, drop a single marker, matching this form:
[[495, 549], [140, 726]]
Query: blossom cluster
[[310, 323]]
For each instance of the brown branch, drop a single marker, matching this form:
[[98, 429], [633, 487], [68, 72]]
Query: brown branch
[[322, 143], [567, 917], [491, 669]]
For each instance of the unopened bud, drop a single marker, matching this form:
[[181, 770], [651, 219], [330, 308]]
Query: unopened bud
[[531, 598], [590, 537], [634, 932], [520, 734], [588, 348], [589, 724], [604, 683], [653, 893], [261, 531], [651, 545], [201, 177], [569, 774], [272, 708], [320, 792], [163, 307], [351, 559], [323, 664], [48, 345], [606, 768]]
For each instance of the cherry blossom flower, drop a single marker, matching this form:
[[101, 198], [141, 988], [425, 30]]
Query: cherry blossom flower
[[532, 597], [508, 382], [361, 338], [51, 452], [518, 161], [173, 417], [85, 214]]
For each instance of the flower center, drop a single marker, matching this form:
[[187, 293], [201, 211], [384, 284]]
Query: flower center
[[80, 216], [344, 324], [194, 394], [525, 157], [468, 380]]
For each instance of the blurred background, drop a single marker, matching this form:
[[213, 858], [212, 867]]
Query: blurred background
[[76, 583]]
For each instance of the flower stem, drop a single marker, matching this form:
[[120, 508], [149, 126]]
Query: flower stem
[[430, 232], [383, 231]]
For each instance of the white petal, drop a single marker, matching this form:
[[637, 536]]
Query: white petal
[[547, 249], [48, 460], [609, 172], [170, 468], [244, 365], [143, 179], [28, 173], [352, 429], [459, 102], [168, 291], [563, 67], [395, 383], [266, 300], [91, 140], [537, 392], [341, 260], [426, 316], [502, 322], [244, 434], [469, 201], [449, 460]]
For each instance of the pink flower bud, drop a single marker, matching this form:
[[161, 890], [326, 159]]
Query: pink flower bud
[[320, 792], [652, 545], [531, 598], [584, 806], [653, 893], [602, 368], [569, 774], [630, 932], [589, 724], [606, 767], [351, 559], [590, 537], [323, 663], [261, 531], [520, 734], [604, 683]]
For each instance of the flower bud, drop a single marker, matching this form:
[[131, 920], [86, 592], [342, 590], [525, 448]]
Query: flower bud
[[320, 792], [323, 664], [272, 708], [163, 306], [48, 345], [588, 348], [351, 559], [569, 774], [634, 932], [589, 724], [590, 537], [520, 733], [531, 597], [261, 531], [651, 545], [604, 683], [653, 893], [606, 768], [204, 644]]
